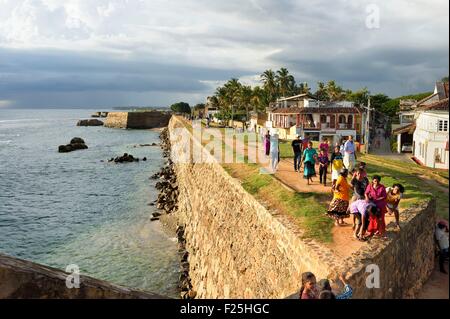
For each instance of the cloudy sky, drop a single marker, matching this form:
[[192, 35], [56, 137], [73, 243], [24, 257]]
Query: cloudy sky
[[81, 53]]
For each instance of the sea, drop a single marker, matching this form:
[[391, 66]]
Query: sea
[[61, 209]]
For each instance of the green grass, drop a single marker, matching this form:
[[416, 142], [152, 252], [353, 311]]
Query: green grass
[[308, 209]]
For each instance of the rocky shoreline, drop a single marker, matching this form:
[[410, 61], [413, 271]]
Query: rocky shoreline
[[167, 203]]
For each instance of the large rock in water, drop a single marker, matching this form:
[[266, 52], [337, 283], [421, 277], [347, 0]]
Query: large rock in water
[[77, 143], [91, 122], [65, 148], [77, 140]]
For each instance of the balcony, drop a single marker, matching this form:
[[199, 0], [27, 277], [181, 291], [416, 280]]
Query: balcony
[[345, 126], [327, 127]]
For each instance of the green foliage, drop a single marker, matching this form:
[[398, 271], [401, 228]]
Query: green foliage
[[360, 97], [391, 107], [181, 107]]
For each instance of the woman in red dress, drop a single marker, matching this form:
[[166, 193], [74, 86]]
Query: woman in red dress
[[376, 192]]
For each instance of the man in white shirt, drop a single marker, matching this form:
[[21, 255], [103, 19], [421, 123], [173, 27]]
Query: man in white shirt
[[349, 154], [442, 239], [274, 152]]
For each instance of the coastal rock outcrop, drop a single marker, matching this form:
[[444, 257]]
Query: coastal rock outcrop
[[126, 158], [167, 203], [90, 122], [77, 143]]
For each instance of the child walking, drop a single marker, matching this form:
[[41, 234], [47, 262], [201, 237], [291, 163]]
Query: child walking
[[323, 166]]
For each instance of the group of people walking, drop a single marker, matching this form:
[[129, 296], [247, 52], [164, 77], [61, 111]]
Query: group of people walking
[[366, 201], [343, 155]]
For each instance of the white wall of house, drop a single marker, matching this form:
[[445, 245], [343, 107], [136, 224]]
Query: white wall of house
[[430, 138]]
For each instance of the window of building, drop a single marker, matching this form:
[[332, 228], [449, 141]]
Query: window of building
[[443, 126]]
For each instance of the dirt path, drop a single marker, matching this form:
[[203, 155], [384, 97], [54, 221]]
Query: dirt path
[[286, 174]]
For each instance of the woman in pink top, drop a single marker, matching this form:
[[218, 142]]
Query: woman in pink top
[[376, 192]]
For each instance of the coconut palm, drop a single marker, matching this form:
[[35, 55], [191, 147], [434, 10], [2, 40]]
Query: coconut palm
[[285, 82], [268, 78], [321, 92], [334, 91]]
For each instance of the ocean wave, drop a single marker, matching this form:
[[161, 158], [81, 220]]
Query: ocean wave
[[5, 142]]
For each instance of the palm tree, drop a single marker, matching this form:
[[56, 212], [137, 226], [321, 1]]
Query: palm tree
[[268, 78], [321, 92], [303, 88], [285, 82], [245, 98], [334, 91]]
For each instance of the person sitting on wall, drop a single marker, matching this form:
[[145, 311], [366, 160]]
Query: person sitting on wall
[[442, 241]]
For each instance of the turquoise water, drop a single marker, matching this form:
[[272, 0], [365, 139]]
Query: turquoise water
[[70, 208]]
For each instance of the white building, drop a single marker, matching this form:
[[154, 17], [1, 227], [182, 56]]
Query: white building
[[430, 139], [409, 112], [306, 116]]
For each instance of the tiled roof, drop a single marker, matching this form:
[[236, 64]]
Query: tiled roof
[[426, 99], [304, 110], [441, 105], [410, 128]]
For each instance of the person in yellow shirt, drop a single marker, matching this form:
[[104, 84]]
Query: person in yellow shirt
[[341, 197], [337, 164]]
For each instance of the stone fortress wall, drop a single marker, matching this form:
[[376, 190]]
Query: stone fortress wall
[[21, 279], [239, 249], [137, 120]]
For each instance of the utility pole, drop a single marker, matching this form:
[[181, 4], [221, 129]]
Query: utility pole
[[367, 125]]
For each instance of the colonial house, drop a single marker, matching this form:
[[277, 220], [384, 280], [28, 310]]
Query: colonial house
[[409, 112], [211, 111], [304, 115], [430, 140]]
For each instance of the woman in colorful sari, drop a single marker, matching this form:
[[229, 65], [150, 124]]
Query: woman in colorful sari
[[309, 160], [341, 196], [376, 192]]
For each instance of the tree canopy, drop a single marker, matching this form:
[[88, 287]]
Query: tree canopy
[[181, 107], [234, 98]]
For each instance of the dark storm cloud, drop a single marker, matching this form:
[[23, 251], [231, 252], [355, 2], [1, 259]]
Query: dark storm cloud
[[115, 51], [68, 71], [374, 67]]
